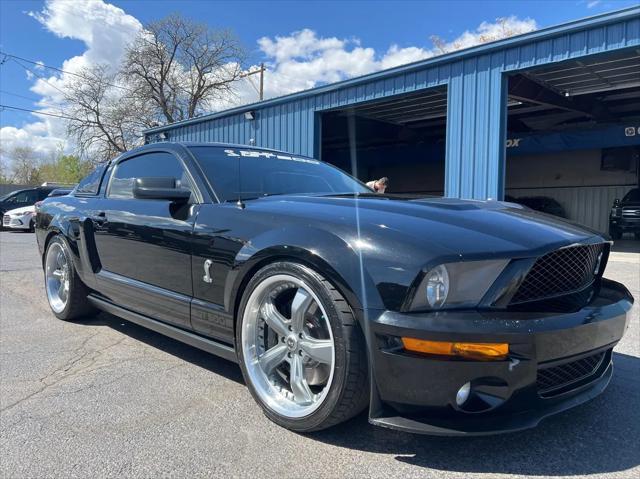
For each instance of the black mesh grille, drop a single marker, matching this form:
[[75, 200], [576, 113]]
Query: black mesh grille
[[560, 272], [556, 377]]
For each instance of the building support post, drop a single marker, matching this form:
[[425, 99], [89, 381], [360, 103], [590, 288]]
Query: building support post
[[476, 129]]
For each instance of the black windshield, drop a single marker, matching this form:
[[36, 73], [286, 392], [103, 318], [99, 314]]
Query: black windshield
[[632, 197], [251, 173]]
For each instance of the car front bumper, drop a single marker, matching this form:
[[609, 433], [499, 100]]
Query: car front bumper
[[17, 223], [417, 393], [624, 223]]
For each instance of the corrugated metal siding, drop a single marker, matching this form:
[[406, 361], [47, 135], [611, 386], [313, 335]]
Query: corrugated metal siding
[[476, 100], [588, 205]]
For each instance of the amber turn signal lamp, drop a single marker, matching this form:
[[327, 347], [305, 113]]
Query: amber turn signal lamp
[[482, 351]]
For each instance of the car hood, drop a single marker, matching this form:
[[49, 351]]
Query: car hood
[[21, 211], [454, 226]]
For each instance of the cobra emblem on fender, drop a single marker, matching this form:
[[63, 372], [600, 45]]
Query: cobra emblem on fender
[[207, 268]]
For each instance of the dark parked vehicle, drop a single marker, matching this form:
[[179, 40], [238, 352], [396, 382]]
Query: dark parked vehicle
[[442, 316], [625, 215], [24, 197], [543, 204], [22, 217]]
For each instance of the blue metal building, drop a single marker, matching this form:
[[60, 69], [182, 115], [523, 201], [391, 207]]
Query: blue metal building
[[467, 109]]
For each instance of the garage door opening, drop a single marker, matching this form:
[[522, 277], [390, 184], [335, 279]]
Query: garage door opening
[[573, 136], [402, 138]]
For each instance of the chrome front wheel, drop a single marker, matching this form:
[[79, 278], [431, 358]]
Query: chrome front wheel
[[57, 277], [288, 346]]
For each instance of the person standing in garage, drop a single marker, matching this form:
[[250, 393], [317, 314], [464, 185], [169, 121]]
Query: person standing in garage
[[379, 186]]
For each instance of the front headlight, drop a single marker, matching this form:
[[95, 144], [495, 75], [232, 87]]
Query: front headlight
[[456, 285], [437, 286]]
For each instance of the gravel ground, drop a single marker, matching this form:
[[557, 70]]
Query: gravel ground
[[106, 398]]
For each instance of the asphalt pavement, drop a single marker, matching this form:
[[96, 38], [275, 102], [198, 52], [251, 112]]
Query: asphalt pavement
[[106, 398]]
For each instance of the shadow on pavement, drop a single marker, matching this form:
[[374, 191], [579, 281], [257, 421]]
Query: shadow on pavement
[[597, 437], [171, 346]]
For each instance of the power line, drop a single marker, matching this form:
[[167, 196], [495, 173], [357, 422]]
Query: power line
[[42, 65], [10, 107], [38, 75], [15, 58], [31, 98], [64, 117]]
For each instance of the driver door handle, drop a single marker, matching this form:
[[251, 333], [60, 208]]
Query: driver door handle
[[99, 219]]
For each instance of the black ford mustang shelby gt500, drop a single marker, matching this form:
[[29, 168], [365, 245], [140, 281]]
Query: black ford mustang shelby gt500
[[443, 316]]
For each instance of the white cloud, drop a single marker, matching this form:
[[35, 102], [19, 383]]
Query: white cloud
[[104, 29], [593, 3], [303, 60], [43, 136]]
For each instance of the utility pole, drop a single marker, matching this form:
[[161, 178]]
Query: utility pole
[[260, 88]]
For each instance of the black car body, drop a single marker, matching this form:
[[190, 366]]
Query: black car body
[[625, 215], [517, 278]]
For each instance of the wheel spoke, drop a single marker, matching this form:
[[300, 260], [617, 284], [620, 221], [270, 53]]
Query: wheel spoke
[[299, 386], [273, 358], [57, 274], [274, 319], [60, 259], [320, 350], [299, 306], [61, 291]]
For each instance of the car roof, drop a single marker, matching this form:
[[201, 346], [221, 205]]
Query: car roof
[[188, 144]]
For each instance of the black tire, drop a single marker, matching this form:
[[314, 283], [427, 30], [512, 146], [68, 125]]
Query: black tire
[[615, 233], [77, 305], [349, 392]]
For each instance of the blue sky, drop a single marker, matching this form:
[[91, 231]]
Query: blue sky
[[359, 37]]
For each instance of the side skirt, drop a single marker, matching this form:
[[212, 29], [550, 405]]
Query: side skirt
[[208, 345]]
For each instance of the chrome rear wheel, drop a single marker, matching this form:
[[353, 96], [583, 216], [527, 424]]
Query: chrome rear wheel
[[288, 346]]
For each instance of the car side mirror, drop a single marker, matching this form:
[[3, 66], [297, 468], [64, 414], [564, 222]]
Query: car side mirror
[[616, 202], [158, 188]]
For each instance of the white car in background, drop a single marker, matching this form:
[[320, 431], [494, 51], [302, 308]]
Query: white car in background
[[24, 218]]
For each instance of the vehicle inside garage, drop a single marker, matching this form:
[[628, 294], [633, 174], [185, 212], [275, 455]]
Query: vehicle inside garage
[[402, 138], [573, 136]]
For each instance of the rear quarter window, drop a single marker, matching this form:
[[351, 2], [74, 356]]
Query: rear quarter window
[[90, 184]]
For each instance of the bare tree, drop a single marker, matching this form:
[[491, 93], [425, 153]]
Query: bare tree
[[181, 66], [104, 118], [25, 168], [505, 28], [4, 171]]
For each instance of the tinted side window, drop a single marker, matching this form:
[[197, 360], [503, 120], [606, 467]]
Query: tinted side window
[[26, 197], [90, 184], [11, 199], [163, 165]]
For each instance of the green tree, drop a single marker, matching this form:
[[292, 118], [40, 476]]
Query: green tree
[[65, 169]]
